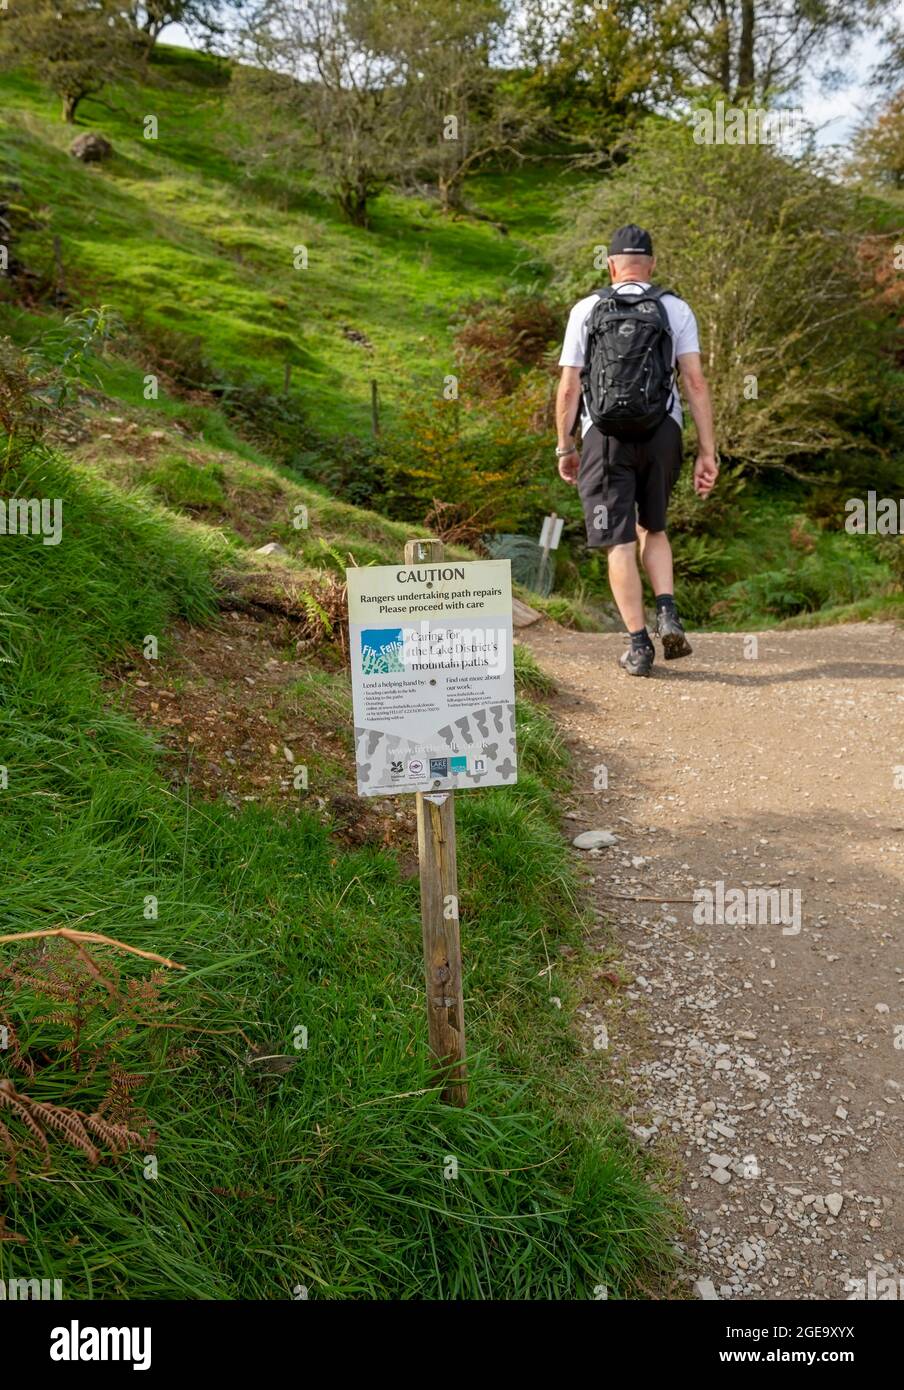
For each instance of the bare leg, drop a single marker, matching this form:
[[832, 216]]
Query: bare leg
[[624, 581], [656, 558]]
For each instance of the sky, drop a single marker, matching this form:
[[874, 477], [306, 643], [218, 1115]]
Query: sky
[[838, 112], [835, 114]]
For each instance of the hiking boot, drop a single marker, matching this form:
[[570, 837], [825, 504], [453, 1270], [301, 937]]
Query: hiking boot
[[670, 628], [638, 661]]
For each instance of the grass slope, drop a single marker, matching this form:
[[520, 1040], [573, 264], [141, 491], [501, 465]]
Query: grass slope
[[174, 232], [335, 1176], [192, 249]]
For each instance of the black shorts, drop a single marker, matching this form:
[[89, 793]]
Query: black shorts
[[622, 483]]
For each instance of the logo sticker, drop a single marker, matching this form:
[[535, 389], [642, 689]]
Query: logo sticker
[[382, 650], [458, 764], [439, 767], [417, 767]]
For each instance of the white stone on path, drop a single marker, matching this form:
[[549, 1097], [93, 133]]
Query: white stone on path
[[595, 839]]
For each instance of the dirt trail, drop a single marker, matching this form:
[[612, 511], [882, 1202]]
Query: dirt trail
[[768, 1061]]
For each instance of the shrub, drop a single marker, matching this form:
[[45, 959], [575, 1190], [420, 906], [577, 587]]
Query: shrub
[[351, 468], [23, 413], [764, 248], [492, 468], [497, 339]]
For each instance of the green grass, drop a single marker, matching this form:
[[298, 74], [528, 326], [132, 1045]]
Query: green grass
[[774, 563], [766, 563], [183, 484], [529, 674], [333, 1176], [175, 234], [196, 254]]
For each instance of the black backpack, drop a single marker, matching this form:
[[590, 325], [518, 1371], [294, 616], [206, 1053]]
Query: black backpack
[[627, 378]]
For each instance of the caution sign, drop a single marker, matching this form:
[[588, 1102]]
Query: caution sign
[[432, 676]]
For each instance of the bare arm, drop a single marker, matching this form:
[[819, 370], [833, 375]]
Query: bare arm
[[696, 390], [568, 399]]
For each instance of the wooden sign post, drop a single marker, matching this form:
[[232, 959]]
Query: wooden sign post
[[439, 913], [433, 694]]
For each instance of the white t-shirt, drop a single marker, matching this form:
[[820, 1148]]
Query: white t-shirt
[[681, 321]]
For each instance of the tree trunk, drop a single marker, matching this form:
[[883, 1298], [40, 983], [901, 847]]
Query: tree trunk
[[746, 70], [70, 105], [724, 47], [353, 201]]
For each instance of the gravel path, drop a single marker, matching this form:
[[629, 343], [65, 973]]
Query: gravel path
[[770, 1058]]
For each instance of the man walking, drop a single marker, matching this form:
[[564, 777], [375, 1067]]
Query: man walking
[[618, 361]]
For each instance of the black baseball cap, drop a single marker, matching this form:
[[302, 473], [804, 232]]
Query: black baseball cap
[[631, 240]]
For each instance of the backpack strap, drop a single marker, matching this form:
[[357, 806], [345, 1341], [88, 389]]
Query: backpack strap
[[658, 293]]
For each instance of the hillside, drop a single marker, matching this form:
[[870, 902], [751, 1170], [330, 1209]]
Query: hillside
[[189, 243], [192, 241], [249, 1112]]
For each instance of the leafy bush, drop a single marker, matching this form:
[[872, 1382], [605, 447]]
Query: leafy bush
[[492, 468], [763, 247], [351, 468], [497, 339], [841, 571], [48, 375], [23, 413], [891, 550], [696, 557]]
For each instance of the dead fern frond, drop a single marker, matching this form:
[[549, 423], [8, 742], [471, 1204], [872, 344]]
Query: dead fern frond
[[95, 937], [21, 1108], [117, 1106], [6, 1139], [117, 1137], [98, 1012], [68, 1123], [41, 1117], [12, 1047]]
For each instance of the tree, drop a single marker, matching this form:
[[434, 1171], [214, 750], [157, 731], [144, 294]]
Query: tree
[[621, 57], [326, 74], [205, 18], [459, 114], [75, 47], [598, 64], [748, 48], [765, 250], [878, 147]]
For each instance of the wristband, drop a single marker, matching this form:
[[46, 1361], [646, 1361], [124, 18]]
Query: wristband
[[563, 453]]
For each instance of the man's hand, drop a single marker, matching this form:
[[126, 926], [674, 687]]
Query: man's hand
[[569, 465], [706, 471]]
